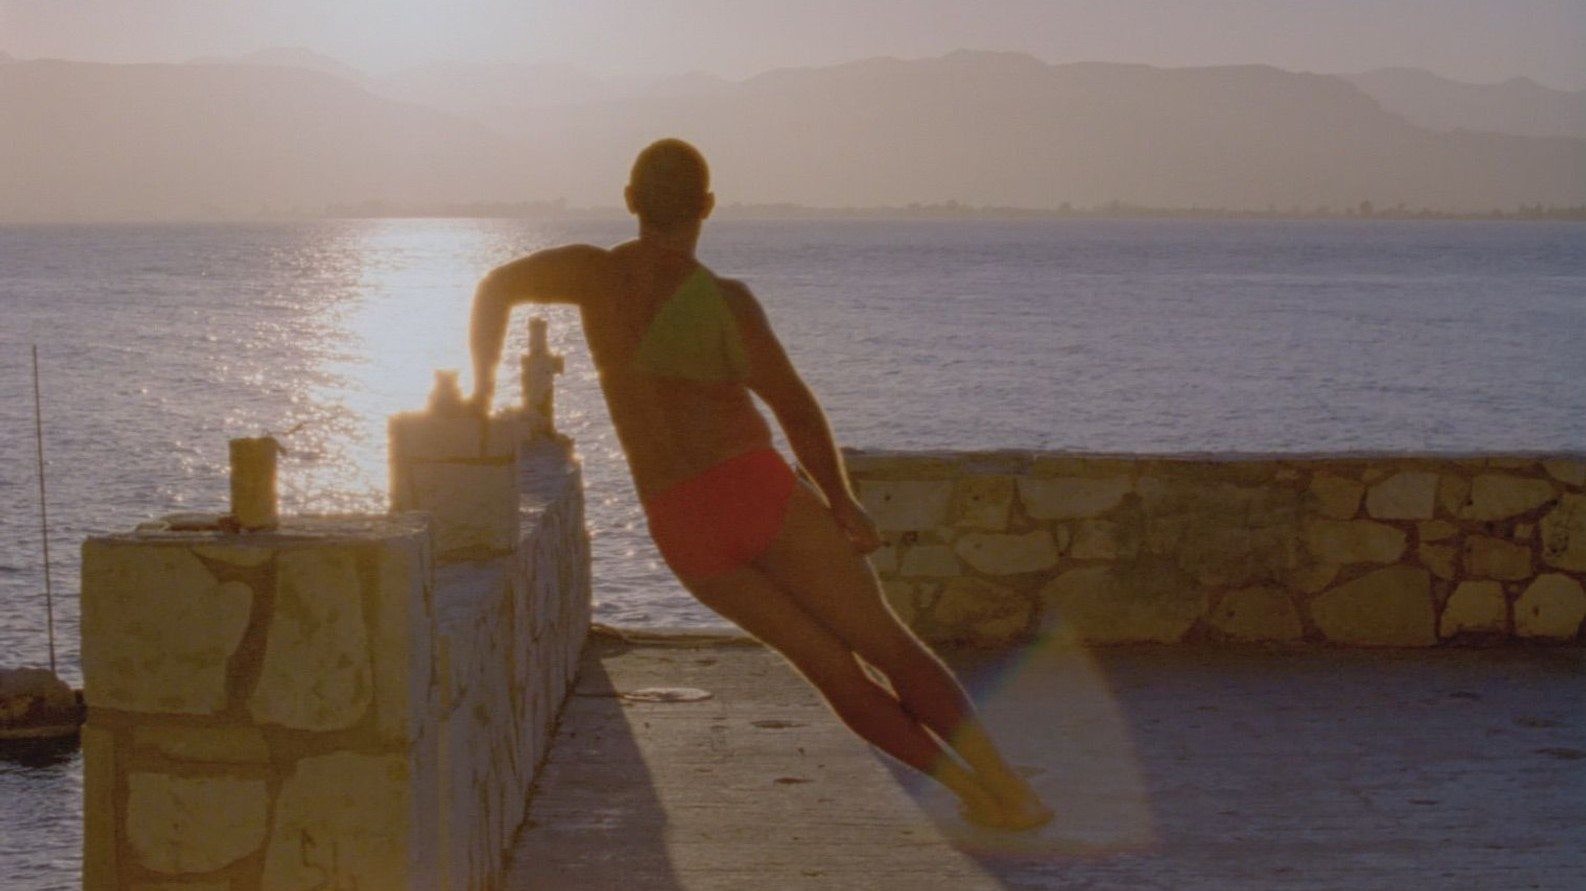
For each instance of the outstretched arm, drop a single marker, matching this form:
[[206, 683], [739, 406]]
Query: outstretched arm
[[558, 275], [773, 378]]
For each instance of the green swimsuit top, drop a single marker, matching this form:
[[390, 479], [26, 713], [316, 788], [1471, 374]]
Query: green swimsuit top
[[694, 336]]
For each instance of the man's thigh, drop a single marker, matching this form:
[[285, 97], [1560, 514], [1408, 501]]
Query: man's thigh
[[813, 560]]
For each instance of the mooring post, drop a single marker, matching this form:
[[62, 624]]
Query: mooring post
[[540, 368], [253, 499]]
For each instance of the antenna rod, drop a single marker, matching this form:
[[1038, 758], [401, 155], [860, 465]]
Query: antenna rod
[[44, 517]]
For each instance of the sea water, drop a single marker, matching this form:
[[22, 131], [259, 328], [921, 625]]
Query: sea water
[[158, 343]]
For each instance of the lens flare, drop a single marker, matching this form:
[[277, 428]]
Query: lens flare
[[1053, 713]]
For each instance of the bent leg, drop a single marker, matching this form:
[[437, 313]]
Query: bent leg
[[815, 563]]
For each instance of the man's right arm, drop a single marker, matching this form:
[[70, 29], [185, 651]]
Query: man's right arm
[[773, 378], [568, 274]]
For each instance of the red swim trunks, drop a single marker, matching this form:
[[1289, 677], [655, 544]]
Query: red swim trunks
[[725, 517]]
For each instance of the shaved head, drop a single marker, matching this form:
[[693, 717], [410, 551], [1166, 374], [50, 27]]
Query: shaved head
[[670, 185]]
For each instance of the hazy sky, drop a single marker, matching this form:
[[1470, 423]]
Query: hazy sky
[[1475, 40]]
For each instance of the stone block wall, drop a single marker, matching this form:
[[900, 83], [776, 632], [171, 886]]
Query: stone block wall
[[338, 703], [992, 548], [509, 632], [261, 707]]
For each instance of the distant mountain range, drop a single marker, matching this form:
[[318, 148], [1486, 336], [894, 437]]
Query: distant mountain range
[[87, 141], [290, 57], [1519, 106], [292, 132]]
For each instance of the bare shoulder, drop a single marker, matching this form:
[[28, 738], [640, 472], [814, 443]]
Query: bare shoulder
[[579, 253], [586, 263], [771, 373], [571, 273], [742, 302]]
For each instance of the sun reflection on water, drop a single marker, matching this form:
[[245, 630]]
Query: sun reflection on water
[[360, 315], [403, 315]]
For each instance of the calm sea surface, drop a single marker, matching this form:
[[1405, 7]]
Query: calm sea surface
[[158, 343]]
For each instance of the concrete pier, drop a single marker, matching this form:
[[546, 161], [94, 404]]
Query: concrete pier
[[1177, 768]]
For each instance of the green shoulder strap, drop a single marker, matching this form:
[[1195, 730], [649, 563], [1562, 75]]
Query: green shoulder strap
[[694, 335]]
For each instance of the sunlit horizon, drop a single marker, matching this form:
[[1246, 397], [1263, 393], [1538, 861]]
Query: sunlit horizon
[[1476, 41], [350, 111]]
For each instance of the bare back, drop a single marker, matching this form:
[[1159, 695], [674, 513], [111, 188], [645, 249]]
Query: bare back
[[671, 428]]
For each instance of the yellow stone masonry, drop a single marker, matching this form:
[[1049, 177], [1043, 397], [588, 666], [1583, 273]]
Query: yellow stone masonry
[[341, 702], [993, 548]]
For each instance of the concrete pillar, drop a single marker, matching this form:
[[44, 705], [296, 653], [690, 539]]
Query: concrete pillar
[[253, 499], [462, 471], [540, 368]]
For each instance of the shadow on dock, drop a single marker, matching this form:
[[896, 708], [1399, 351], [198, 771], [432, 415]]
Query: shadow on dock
[[602, 790], [1170, 768]]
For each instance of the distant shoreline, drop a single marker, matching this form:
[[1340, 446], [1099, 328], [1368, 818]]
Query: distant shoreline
[[948, 210], [558, 211]]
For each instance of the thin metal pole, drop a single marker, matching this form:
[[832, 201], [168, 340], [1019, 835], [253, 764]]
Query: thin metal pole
[[44, 517]]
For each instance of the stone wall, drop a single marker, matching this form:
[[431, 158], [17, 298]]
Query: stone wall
[[260, 710], [509, 633], [988, 549], [343, 702]]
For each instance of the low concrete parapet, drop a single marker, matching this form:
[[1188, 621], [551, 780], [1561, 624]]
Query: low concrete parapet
[[989, 548], [261, 709], [357, 701], [509, 635]]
